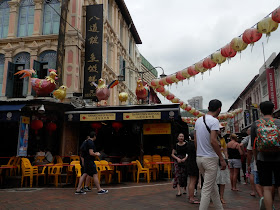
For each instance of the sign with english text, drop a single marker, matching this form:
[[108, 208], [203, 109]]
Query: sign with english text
[[271, 87]]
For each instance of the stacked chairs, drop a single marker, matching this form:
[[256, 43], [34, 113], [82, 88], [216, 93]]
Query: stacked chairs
[[28, 171], [141, 170], [156, 158], [167, 167], [74, 158], [55, 171], [101, 171], [39, 158], [152, 170], [109, 171], [11, 162], [148, 157]]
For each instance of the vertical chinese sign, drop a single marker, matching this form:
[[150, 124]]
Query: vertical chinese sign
[[271, 87], [61, 40], [93, 51], [23, 136]]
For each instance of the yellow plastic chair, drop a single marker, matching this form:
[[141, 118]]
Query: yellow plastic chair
[[167, 167], [156, 158], [39, 158], [28, 171], [42, 174], [141, 170], [74, 158], [69, 172], [150, 167], [133, 170], [148, 157], [10, 163], [78, 173], [17, 164], [107, 170], [102, 171], [56, 173]]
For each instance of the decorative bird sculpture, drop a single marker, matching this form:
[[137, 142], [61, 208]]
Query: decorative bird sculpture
[[42, 87], [60, 93], [142, 91], [102, 90]]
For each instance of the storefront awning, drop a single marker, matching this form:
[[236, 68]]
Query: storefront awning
[[11, 107]]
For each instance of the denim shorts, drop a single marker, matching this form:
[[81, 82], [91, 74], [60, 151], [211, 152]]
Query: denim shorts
[[234, 163]]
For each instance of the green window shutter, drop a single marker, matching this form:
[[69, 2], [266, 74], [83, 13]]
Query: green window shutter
[[10, 79]]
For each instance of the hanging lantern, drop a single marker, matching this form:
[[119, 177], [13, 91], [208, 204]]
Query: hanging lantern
[[51, 127], [199, 67], [175, 100], [36, 125], [276, 15], [188, 108], [185, 73], [168, 80], [228, 52], [237, 44], [208, 63], [170, 96], [174, 78], [196, 113], [163, 82], [251, 35], [96, 126], [179, 76], [155, 82], [117, 126], [165, 93], [266, 26], [183, 105], [218, 58], [160, 89], [192, 71]]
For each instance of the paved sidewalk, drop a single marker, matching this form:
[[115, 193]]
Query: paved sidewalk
[[156, 195]]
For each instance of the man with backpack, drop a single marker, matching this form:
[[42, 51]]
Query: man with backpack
[[265, 138], [88, 166]]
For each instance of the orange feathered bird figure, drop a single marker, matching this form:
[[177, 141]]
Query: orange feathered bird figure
[[142, 91], [42, 87]]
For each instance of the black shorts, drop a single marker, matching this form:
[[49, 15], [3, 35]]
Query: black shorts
[[89, 168], [265, 171]]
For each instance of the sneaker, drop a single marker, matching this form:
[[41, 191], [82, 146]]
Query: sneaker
[[87, 189], [262, 206], [81, 192], [101, 192]]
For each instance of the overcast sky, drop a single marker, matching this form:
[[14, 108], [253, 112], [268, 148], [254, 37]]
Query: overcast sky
[[176, 34]]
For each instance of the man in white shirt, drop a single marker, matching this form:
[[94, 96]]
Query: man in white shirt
[[208, 153]]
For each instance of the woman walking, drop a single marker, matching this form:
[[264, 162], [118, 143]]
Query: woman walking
[[192, 169], [234, 160], [179, 154]]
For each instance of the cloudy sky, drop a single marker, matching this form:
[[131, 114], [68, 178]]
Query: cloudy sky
[[178, 33]]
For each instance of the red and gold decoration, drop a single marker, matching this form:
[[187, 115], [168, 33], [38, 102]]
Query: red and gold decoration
[[96, 126], [123, 96], [51, 127], [117, 126]]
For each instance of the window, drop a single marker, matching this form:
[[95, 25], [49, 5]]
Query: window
[[26, 18], [122, 66], [51, 17], [264, 89], [130, 47], [108, 57], [4, 18], [2, 62], [110, 11], [121, 31], [47, 60]]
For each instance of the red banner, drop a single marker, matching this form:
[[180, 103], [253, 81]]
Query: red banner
[[271, 87]]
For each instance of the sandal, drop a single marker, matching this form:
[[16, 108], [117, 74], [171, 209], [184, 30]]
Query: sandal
[[194, 202], [253, 194], [223, 201]]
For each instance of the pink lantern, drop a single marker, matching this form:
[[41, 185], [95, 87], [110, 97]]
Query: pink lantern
[[155, 82], [160, 89], [228, 52], [179, 75], [163, 82], [208, 63], [168, 79], [251, 35], [276, 15], [188, 108], [185, 73], [199, 67], [196, 113], [192, 71]]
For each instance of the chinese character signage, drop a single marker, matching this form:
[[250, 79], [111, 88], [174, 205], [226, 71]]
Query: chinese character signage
[[141, 115], [61, 40], [98, 117], [23, 136], [271, 87], [93, 51], [157, 128]]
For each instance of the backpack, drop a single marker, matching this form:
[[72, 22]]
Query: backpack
[[268, 136]]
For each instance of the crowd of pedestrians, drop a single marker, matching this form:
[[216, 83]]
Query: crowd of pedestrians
[[220, 161]]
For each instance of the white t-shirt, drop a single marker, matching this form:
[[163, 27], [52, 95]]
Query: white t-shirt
[[204, 147], [249, 147]]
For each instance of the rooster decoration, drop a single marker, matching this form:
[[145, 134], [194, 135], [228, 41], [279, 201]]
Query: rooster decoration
[[42, 87], [142, 91], [60, 93], [102, 90]]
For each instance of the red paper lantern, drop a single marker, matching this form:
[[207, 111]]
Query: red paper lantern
[[170, 96], [160, 89], [51, 127], [276, 15], [179, 75], [36, 125], [117, 126], [168, 80], [251, 35], [96, 126], [228, 52], [192, 71], [208, 63]]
